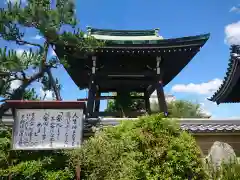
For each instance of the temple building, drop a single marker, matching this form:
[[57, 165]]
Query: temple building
[[229, 91], [130, 61]]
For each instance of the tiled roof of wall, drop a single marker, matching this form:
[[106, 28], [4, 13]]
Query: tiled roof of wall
[[191, 125]]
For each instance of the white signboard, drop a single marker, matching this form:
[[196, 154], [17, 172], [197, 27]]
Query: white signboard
[[41, 129]]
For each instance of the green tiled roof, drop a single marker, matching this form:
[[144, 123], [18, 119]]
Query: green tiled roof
[[111, 36], [110, 32], [157, 41]]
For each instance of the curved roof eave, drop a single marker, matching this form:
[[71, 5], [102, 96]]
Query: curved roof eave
[[230, 79], [182, 41], [126, 38]]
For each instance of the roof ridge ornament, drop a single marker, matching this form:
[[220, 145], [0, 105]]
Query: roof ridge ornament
[[89, 30], [157, 31], [235, 52]]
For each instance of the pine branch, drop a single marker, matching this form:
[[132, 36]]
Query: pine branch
[[3, 100], [54, 85], [24, 75], [18, 93], [4, 74], [44, 57], [22, 42], [48, 71], [8, 93]]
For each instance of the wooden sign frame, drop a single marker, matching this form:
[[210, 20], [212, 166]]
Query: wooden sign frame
[[64, 105]]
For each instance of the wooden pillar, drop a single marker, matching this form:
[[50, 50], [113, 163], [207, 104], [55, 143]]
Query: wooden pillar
[[91, 97], [92, 89], [97, 101], [159, 88], [147, 102], [161, 98]]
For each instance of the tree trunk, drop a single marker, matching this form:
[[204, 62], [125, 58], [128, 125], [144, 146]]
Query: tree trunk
[[54, 85]]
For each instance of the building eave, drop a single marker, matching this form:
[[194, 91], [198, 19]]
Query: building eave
[[154, 41], [230, 80]]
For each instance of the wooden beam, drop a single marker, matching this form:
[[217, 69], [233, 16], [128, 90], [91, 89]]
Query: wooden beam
[[126, 83], [117, 114], [115, 89], [109, 97], [126, 74]]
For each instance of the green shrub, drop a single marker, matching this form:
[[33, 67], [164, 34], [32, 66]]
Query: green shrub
[[38, 165], [229, 171], [150, 148]]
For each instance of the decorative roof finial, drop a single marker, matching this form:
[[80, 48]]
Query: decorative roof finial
[[89, 30], [235, 50], [156, 31]]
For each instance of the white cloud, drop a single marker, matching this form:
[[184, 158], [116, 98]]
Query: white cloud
[[235, 9], [47, 95], [234, 117], [37, 37], [153, 98], [205, 110], [202, 88], [15, 84], [20, 52], [232, 32], [53, 53]]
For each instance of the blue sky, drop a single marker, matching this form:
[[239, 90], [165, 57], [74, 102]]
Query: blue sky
[[175, 19]]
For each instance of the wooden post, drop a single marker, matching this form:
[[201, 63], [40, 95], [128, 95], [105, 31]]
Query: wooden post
[[91, 97], [92, 89], [78, 172], [159, 87], [11, 164], [97, 101], [147, 102], [161, 98]]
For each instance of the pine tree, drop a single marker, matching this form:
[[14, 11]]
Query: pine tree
[[49, 20]]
